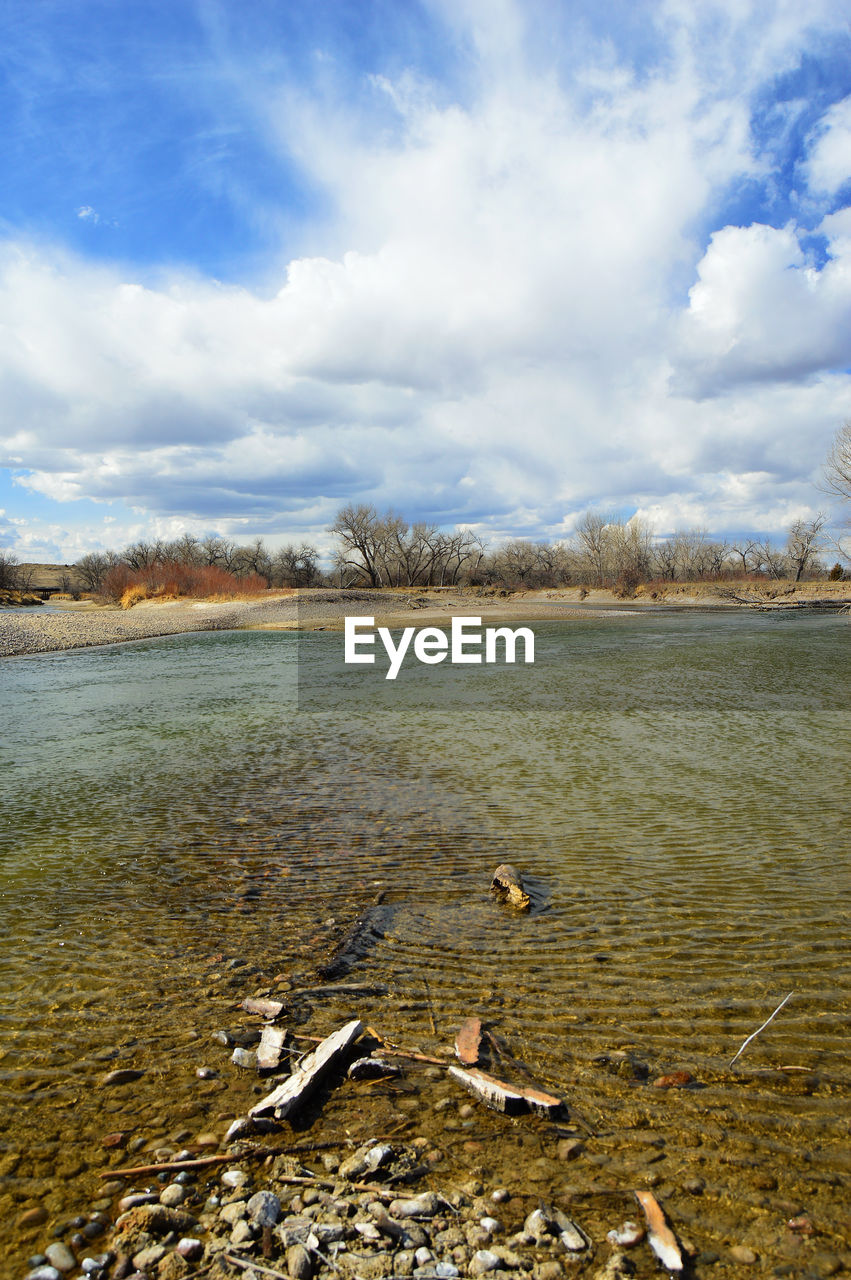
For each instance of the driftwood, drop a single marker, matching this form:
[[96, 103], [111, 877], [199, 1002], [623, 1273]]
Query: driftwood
[[511, 1099], [507, 884], [342, 989], [270, 1048], [289, 1095], [468, 1042], [660, 1237]]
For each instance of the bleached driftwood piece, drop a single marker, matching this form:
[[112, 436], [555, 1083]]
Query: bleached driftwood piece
[[289, 1095], [660, 1237], [468, 1041], [511, 1099]]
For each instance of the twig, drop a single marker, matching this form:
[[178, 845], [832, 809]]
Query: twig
[[762, 1028], [159, 1168], [430, 1008], [249, 1265]]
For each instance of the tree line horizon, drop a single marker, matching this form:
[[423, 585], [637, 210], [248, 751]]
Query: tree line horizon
[[383, 550]]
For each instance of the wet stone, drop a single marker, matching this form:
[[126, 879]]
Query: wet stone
[[60, 1257], [299, 1264], [44, 1272], [173, 1195], [741, 1253], [190, 1248], [484, 1261]]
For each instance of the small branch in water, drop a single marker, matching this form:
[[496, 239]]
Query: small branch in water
[[430, 1008], [762, 1028], [251, 1265]]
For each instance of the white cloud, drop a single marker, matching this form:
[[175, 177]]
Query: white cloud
[[828, 166], [495, 331]]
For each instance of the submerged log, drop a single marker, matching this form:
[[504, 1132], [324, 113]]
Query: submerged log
[[468, 1042], [289, 1095], [507, 884], [511, 1099], [660, 1237], [368, 929]]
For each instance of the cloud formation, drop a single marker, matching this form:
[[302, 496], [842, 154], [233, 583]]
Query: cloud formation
[[523, 299]]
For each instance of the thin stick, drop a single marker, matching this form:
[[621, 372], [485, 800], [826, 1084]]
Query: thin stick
[[762, 1028], [255, 1266], [159, 1168], [429, 1008]]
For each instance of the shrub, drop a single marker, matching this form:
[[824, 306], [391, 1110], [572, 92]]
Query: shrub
[[171, 579], [836, 574]]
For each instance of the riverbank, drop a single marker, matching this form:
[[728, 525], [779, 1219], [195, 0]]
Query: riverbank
[[82, 624]]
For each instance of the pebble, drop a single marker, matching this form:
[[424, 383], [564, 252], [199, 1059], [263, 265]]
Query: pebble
[[741, 1253], [627, 1235], [500, 1195], [136, 1198], [241, 1234], [60, 1257], [124, 1075], [299, 1263], [264, 1209], [190, 1248], [484, 1261], [44, 1272], [34, 1217], [234, 1178], [173, 1195]]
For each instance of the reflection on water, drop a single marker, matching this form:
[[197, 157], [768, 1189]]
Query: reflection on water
[[672, 787]]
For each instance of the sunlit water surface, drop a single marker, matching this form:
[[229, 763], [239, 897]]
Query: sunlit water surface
[[674, 788]]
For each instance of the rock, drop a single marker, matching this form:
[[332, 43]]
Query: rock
[[627, 1235], [500, 1195], [60, 1256], [124, 1075], [548, 1271], [423, 1256], [484, 1261], [266, 1008], [244, 1058], [694, 1186], [242, 1234], [207, 1140], [425, 1205], [205, 1073], [674, 1080], [618, 1267], [113, 1140], [234, 1178], [299, 1263], [366, 1160], [173, 1195], [149, 1257], [508, 886], [136, 1198], [490, 1225], [190, 1248], [570, 1148], [234, 1212], [446, 1271], [34, 1217], [741, 1253], [264, 1209], [44, 1272]]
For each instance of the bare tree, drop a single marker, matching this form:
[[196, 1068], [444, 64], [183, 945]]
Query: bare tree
[[803, 542], [591, 540], [837, 467], [9, 571], [93, 567]]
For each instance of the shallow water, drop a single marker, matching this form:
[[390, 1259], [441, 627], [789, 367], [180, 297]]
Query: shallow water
[[673, 787]]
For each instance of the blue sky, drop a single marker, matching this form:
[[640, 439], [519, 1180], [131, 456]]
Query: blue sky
[[489, 263]]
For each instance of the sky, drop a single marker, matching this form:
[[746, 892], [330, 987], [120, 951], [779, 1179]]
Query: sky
[[488, 263]]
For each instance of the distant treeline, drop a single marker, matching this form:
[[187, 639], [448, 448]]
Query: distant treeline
[[375, 549]]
